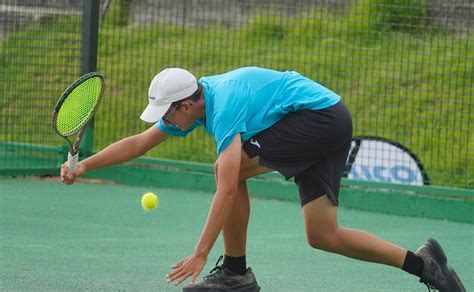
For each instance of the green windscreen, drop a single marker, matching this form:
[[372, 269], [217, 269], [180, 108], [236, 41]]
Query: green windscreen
[[79, 106]]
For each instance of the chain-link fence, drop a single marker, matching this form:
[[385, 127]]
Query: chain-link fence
[[403, 67]]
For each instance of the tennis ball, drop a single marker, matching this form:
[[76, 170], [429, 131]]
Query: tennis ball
[[149, 201]]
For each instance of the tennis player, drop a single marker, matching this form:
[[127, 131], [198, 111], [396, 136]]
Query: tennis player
[[264, 120]]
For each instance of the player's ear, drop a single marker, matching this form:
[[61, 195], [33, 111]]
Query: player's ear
[[186, 105]]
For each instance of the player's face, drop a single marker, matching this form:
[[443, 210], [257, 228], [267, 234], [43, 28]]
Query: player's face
[[168, 115], [181, 116]]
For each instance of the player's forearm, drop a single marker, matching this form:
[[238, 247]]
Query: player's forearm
[[118, 152], [220, 210], [227, 177]]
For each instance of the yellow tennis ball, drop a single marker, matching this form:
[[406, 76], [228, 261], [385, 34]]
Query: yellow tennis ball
[[149, 201]]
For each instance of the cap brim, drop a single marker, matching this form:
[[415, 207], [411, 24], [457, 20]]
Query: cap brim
[[153, 113]]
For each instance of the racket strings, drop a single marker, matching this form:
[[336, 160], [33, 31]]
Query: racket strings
[[79, 106]]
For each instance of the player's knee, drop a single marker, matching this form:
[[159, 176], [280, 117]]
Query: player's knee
[[323, 240], [243, 175], [314, 240]]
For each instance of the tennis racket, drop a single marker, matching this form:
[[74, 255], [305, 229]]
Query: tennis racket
[[74, 110]]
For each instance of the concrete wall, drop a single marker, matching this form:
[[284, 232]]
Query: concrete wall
[[15, 14], [455, 15], [451, 14], [199, 13]]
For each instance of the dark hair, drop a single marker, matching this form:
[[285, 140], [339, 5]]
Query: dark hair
[[197, 94], [194, 97]]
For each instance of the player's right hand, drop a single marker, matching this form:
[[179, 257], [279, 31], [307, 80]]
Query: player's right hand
[[68, 177]]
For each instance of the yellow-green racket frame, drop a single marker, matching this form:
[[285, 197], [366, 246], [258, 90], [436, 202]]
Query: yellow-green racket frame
[[81, 106]]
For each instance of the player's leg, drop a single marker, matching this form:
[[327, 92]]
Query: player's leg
[[234, 230], [323, 232], [233, 274], [429, 262]]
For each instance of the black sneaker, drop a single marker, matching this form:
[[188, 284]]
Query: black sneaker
[[223, 279], [437, 274]]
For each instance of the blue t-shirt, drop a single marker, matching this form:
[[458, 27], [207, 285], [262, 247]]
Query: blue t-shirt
[[249, 100]]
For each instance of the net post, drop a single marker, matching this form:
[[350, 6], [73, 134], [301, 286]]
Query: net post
[[90, 33]]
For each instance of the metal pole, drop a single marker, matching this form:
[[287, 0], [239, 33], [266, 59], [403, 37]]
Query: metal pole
[[90, 33]]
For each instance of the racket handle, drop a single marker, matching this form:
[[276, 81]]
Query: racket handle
[[72, 161]]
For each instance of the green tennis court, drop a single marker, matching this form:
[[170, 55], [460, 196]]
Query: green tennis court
[[95, 236]]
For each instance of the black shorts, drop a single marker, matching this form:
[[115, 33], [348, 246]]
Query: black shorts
[[309, 145]]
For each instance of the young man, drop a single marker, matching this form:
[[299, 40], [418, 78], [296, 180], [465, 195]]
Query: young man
[[264, 120]]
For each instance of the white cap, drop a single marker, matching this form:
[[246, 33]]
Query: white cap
[[168, 86]]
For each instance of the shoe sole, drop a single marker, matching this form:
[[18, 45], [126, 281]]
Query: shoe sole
[[458, 286], [251, 288], [440, 256]]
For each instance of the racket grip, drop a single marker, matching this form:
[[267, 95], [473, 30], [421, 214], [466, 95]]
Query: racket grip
[[72, 161]]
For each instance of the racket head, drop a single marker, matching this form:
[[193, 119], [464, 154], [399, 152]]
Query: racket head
[[77, 104]]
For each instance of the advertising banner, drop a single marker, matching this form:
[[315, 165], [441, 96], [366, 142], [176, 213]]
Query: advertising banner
[[382, 160]]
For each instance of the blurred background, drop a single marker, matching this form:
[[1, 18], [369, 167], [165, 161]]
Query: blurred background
[[404, 68]]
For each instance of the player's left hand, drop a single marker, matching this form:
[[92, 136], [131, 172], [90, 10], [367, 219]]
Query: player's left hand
[[189, 267]]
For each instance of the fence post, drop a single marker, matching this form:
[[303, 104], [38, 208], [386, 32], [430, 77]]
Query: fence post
[[90, 33]]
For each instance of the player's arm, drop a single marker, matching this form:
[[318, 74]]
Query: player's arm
[[126, 149], [118, 152], [227, 177], [227, 183]]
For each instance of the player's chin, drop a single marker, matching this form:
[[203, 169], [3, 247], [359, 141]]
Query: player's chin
[[185, 128]]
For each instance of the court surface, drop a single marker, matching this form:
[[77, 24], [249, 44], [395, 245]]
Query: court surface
[[93, 236]]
